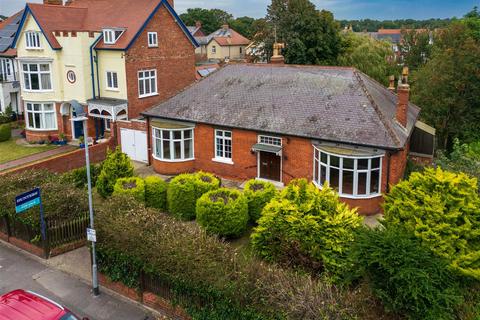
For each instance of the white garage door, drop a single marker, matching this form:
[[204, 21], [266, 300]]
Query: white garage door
[[134, 144]]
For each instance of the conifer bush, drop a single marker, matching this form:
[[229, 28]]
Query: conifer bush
[[258, 194], [307, 227], [5, 132], [223, 212], [116, 165], [185, 189], [133, 186], [156, 193], [443, 210]]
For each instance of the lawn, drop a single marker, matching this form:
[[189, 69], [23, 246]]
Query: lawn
[[9, 150]]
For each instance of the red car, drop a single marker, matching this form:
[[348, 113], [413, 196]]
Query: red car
[[27, 305]]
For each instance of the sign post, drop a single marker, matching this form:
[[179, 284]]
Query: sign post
[[29, 200]]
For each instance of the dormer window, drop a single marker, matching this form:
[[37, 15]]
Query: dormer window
[[110, 36], [32, 39]]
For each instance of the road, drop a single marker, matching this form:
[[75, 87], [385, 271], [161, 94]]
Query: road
[[19, 270]]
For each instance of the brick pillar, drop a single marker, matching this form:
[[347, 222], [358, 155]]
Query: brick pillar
[[403, 93]]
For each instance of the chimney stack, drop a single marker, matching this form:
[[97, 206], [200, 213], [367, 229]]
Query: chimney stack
[[53, 2], [198, 24], [403, 94], [277, 57], [392, 83], [225, 26]]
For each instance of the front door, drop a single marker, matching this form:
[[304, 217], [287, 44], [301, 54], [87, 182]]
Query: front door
[[270, 166]]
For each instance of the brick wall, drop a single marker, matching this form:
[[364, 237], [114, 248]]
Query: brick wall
[[174, 60]]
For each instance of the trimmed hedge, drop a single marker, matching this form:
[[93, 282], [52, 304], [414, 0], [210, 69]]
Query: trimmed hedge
[[78, 177], [223, 212], [133, 186], [185, 189], [258, 194], [156, 193], [5, 132], [116, 165]]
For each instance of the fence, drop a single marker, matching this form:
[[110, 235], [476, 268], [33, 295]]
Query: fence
[[61, 235]]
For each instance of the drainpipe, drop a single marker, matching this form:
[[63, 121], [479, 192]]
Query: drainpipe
[[91, 65], [388, 171], [98, 75]]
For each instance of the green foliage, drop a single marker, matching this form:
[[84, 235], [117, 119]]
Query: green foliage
[[185, 189], [116, 165], [206, 276], [258, 194], [406, 276], [223, 212], [443, 210], [133, 186], [415, 48], [308, 227], [78, 177], [211, 19], [156, 193], [368, 55], [369, 25], [243, 25], [5, 132]]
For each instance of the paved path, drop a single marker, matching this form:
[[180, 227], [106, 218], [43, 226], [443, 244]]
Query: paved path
[[20, 270], [35, 157]]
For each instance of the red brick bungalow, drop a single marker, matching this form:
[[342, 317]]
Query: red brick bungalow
[[280, 122]]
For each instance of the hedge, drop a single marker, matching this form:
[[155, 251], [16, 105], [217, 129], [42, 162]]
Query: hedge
[[78, 177], [223, 212], [133, 186], [5, 132], [258, 194], [208, 277], [185, 189], [156, 193]]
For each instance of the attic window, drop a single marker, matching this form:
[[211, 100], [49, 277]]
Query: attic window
[[32, 39], [110, 36]]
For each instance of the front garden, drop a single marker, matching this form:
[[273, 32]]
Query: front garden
[[309, 255]]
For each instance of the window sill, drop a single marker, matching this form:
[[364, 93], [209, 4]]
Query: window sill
[[155, 46], [148, 95], [112, 90], [349, 196], [40, 130], [172, 161], [38, 91], [223, 160], [34, 49]]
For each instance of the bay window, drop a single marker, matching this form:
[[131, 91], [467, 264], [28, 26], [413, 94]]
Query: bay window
[[173, 144], [351, 176], [37, 76], [41, 116]]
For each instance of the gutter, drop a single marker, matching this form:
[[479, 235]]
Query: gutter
[[92, 71]]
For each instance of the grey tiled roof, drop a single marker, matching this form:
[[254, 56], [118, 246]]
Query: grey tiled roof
[[331, 104]]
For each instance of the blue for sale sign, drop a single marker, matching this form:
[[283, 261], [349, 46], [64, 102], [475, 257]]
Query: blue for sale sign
[[27, 200]]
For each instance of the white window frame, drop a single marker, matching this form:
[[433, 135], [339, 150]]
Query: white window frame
[[214, 49], [39, 73], [107, 124], [111, 74], [318, 164], [147, 79], [220, 135], [109, 36], [270, 140], [6, 67], [158, 154], [152, 39], [32, 40], [42, 113]]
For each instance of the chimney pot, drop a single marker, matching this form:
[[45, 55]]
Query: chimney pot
[[277, 57], [225, 26], [198, 24], [392, 83]]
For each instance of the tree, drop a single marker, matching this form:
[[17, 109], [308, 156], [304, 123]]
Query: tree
[[243, 25], [311, 36], [368, 55], [211, 19], [448, 86], [416, 48]]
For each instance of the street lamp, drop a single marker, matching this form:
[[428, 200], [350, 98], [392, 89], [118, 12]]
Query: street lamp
[[80, 115]]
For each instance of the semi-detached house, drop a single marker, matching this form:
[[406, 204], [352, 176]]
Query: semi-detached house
[[113, 58]]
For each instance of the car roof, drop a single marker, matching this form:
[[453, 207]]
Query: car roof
[[26, 305]]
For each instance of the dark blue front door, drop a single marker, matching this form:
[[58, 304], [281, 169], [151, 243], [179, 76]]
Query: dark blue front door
[[78, 129]]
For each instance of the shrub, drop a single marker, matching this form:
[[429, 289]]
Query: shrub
[[133, 186], [116, 165], [406, 276], [443, 210], [78, 177], [185, 189], [258, 194], [308, 227], [223, 212], [156, 193], [5, 132]]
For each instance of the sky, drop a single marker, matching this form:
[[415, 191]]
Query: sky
[[342, 9]]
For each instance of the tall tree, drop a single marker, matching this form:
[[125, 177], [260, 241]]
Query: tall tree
[[211, 19], [243, 25], [416, 47], [448, 86]]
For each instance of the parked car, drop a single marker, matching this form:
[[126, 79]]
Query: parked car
[[28, 305]]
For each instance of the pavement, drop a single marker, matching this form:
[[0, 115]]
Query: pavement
[[19, 269]]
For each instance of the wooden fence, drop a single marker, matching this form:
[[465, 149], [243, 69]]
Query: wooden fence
[[61, 234]]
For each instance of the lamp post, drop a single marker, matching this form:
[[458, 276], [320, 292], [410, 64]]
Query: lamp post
[[80, 115]]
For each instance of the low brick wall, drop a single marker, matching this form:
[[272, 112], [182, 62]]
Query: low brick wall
[[29, 247], [68, 161]]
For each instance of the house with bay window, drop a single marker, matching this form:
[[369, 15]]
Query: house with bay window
[[279, 122], [114, 59]]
